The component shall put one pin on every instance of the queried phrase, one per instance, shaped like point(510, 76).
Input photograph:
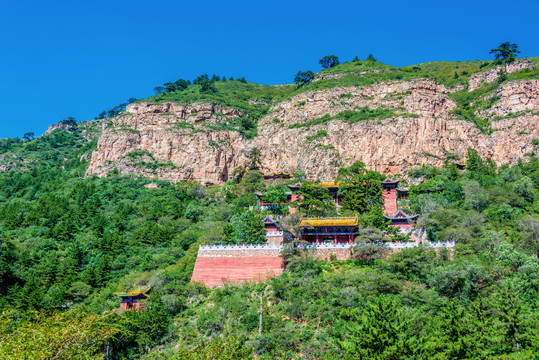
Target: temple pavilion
point(277, 175)
point(275, 233)
point(333, 188)
point(337, 230)
point(402, 220)
point(131, 298)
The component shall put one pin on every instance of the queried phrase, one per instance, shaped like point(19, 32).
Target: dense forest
point(68, 243)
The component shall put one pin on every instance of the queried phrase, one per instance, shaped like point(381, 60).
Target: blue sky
point(77, 58)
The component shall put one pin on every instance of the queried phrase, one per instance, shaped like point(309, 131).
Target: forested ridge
point(68, 243)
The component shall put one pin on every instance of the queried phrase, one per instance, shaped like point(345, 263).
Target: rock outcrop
point(482, 78)
point(516, 97)
point(187, 142)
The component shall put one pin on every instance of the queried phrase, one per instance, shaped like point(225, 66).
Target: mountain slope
point(390, 118)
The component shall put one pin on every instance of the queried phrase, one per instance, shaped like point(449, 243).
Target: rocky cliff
point(189, 142)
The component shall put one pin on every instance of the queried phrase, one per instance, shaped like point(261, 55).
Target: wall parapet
point(275, 233)
point(219, 247)
point(390, 245)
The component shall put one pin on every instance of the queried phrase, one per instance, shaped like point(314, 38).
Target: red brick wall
point(216, 271)
point(390, 200)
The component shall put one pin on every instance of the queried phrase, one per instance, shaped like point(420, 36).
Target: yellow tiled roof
point(330, 184)
point(135, 290)
point(330, 221)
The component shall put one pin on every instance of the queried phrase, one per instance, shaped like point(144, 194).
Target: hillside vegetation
point(68, 243)
point(254, 101)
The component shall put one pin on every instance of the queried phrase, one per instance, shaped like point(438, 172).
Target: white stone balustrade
point(275, 233)
point(327, 246)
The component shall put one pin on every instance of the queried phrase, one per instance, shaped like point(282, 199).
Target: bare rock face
point(179, 142)
point(515, 97)
point(174, 147)
point(480, 79)
point(59, 126)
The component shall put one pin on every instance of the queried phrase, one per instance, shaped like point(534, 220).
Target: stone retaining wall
point(217, 265)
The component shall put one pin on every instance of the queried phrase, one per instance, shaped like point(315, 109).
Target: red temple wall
point(390, 200)
point(216, 271)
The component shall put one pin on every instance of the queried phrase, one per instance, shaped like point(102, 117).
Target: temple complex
point(337, 230)
point(131, 298)
point(329, 237)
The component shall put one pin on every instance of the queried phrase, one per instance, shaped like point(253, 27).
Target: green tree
point(474, 162)
point(505, 51)
point(329, 61)
point(207, 86)
point(303, 78)
point(275, 196)
point(64, 335)
point(231, 348)
point(28, 136)
point(314, 200)
point(381, 330)
point(254, 159)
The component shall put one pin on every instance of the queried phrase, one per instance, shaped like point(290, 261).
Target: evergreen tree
point(254, 159)
point(329, 61)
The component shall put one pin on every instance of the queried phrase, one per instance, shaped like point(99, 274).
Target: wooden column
point(335, 238)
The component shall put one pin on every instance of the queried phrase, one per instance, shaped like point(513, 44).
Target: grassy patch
point(319, 134)
point(353, 116)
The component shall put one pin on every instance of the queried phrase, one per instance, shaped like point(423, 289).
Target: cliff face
point(180, 142)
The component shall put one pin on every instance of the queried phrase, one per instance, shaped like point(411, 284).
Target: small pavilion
point(131, 298)
point(333, 188)
point(401, 219)
point(275, 233)
point(277, 175)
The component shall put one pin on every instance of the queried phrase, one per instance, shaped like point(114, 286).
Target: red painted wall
point(215, 271)
point(390, 200)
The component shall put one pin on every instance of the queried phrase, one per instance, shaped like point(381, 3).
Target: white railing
point(448, 244)
point(240, 247)
point(326, 246)
point(275, 233)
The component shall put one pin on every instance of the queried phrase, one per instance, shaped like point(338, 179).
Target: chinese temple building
point(337, 230)
point(294, 187)
point(333, 188)
point(389, 194)
point(402, 193)
point(277, 175)
point(461, 166)
point(275, 234)
point(402, 220)
point(131, 298)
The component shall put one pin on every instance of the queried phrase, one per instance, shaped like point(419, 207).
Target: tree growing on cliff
point(329, 61)
point(254, 159)
point(505, 51)
point(303, 78)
